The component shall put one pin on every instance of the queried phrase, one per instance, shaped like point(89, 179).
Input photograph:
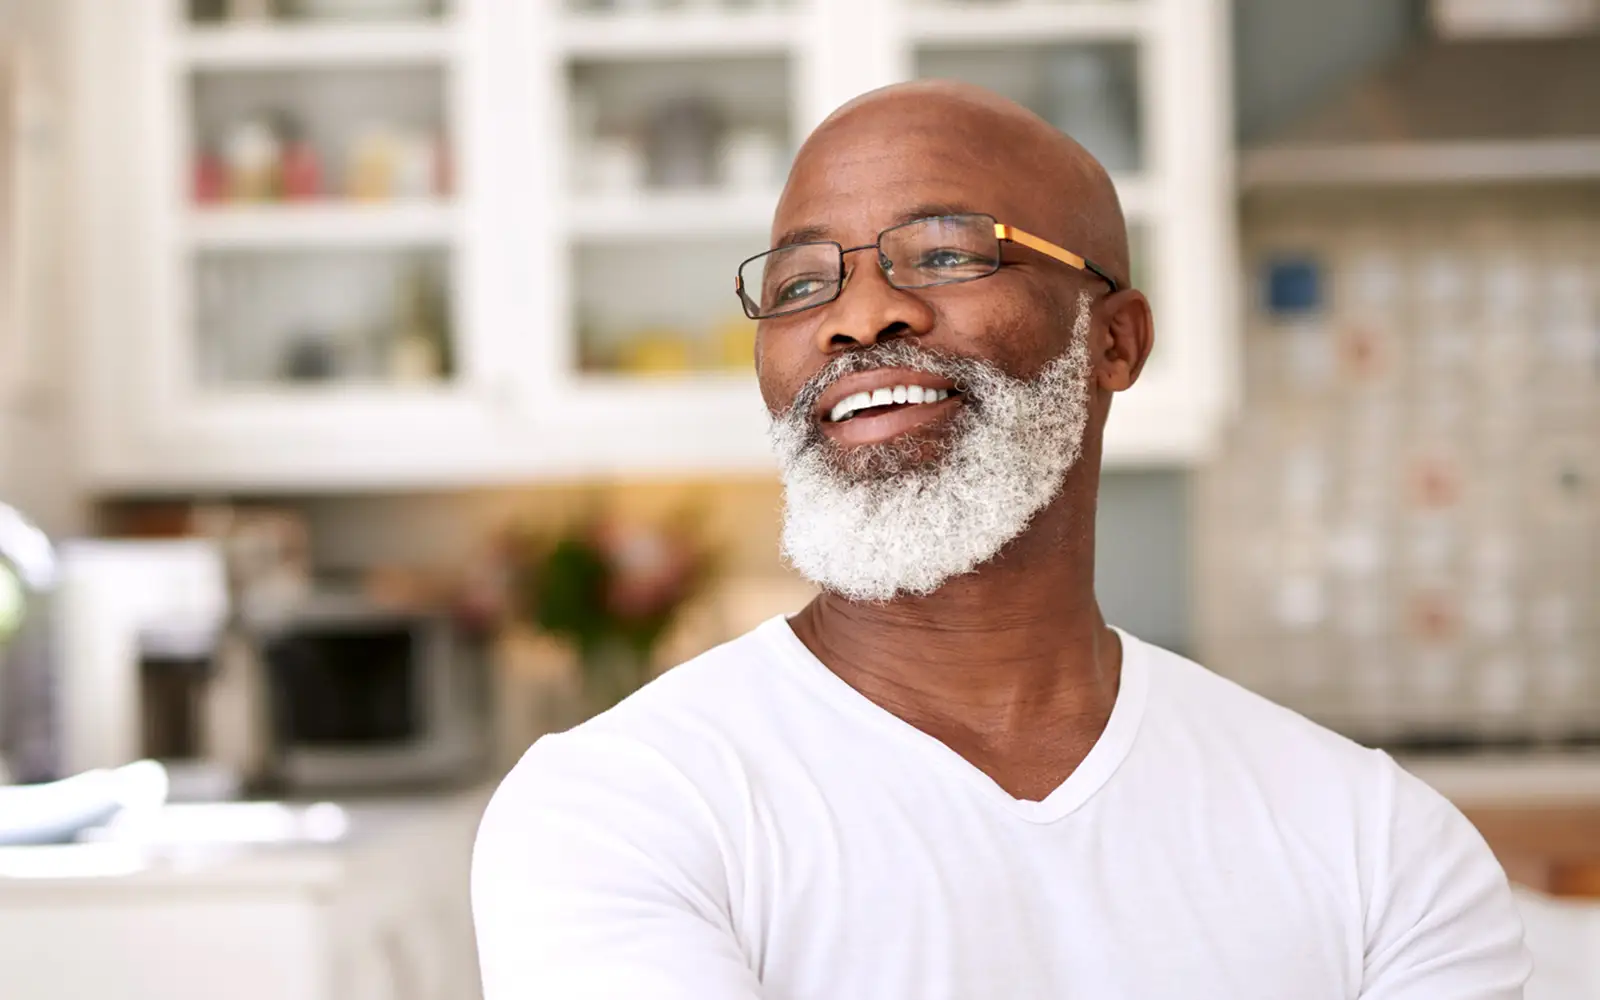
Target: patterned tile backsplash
point(1402, 538)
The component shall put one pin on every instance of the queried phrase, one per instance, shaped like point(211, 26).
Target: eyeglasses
point(940, 250)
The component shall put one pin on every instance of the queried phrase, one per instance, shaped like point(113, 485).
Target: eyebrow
point(805, 234)
point(821, 233)
point(931, 210)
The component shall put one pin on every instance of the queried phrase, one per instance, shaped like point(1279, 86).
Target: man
point(946, 778)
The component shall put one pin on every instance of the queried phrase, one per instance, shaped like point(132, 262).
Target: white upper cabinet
point(472, 241)
point(285, 226)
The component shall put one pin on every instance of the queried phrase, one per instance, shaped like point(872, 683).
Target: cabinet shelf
point(972, 25)
point(307, 45)
point(327, 225)
point(1470, 162)
point(679, 35)
point(654, 216)
point(739, 386)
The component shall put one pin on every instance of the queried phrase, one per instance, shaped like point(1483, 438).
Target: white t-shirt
point(750, 826)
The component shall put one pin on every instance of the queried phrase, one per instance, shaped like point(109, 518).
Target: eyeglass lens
point(935, 251)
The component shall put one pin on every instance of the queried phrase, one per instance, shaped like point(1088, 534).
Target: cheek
point(778, 369)
point(1011, 326)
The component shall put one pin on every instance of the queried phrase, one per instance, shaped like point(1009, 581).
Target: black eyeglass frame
point(1003, 234)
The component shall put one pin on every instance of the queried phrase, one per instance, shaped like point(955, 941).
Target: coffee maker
point(151, 667)
point(29, 721)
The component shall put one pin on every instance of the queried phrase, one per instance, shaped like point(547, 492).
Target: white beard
point(867, 527)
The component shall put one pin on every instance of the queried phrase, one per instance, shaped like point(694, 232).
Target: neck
point(1012, 666)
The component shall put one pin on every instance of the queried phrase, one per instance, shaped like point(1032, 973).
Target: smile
point(871, 407)
point(866, 402)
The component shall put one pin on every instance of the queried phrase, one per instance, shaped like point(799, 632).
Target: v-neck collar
point(1107, 754)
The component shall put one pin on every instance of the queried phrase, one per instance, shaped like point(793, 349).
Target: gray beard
point(881, 521)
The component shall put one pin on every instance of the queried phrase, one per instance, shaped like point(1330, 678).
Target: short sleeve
point(599, 873)
point(1442, 923)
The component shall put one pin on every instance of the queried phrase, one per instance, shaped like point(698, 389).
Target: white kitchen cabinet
point(269, 344)
point(593, 328)
point(384, 916)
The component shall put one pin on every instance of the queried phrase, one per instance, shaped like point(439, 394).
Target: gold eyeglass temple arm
point(1032, 242)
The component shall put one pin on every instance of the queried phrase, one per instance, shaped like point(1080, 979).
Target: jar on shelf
point(252, 154)
point(300, 168)
point(682, 138)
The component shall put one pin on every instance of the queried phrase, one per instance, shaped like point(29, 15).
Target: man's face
point(898, 499)
point(872, 177)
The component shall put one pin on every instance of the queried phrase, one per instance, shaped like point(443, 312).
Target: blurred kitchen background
point(373, 398)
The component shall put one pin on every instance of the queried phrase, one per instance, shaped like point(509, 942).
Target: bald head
point(978, 139)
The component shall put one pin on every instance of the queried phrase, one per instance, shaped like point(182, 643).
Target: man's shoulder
point(727, 682)
point(705, 701)
point(669, 745)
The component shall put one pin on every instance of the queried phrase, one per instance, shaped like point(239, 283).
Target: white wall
point(37, 470)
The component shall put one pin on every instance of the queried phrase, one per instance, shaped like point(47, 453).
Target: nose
point(869, 309)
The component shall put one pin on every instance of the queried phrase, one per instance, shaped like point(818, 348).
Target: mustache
point(965, 373)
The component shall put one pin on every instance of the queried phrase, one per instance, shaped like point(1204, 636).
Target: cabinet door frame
point(148, 422)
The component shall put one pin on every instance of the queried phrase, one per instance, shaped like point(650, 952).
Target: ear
point(1129, 337)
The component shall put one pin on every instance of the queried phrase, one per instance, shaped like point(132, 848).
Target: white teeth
point(885, 396)
point(849, 405)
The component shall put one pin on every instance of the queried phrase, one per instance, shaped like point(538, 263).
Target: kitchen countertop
point(1504, 779)
point(145, 858)
point(1554, 849)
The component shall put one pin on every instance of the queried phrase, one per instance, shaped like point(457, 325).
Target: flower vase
point(611, 670)
point(538, 690)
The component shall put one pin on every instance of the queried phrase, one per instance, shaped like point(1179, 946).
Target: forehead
point(853, 182)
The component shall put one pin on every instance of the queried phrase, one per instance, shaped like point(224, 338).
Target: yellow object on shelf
point(370, 173)
point(655, 352)
point(733, 344)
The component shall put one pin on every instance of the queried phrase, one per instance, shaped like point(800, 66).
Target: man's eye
point(949, 257)
point(802, 287)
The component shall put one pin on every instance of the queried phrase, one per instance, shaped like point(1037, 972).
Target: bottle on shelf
point(253, 155)
point(210, 180)
point(420, 344)
point(310, 356)
point(300, 168)
point(388, 163)
point(372, 164)
point(683, 136)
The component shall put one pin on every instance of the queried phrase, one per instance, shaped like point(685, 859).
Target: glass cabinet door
point(320, 236)
point(673, 170)
point(1088, 90)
